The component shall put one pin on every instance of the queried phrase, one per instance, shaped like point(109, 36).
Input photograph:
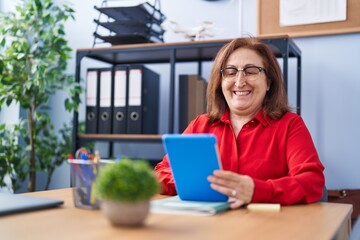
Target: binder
point(120, 99)
point(143, 100)
point(192, 98)
point(92, 83)
point(105, 101)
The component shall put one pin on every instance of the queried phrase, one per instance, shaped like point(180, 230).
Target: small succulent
point(126, 181)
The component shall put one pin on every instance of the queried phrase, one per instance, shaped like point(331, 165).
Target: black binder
point(143, 100)
point(192, 98)
point(120, 100)
point(105, 100)
point(92, 101)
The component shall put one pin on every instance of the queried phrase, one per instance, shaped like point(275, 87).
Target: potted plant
point(33, 61)
point(124, 189)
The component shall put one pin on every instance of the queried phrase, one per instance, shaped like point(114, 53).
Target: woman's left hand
point(236, 186)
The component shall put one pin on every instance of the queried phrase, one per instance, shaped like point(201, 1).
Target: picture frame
point(269, 22)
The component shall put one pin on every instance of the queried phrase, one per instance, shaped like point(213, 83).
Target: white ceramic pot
point(126, 214)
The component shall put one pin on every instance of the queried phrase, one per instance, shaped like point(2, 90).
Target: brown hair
point(275, 104)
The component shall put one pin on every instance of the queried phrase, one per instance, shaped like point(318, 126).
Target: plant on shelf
point(33, 62)
point(124, 189)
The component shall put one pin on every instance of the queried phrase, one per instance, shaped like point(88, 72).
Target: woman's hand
point(236, 186)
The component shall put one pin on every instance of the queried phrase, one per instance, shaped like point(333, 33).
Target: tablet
point(16, 203)
point(192, 158)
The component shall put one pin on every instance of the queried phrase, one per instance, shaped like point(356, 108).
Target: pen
point(76, 167)
point(96, 160)
point(89, 176)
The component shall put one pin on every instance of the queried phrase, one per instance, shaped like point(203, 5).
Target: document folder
point(105, 111)
point(120, 99)
point(143, 100)
point(192, 98)
point(92, 83)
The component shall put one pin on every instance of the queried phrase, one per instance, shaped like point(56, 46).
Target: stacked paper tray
point(144, 12)
point(131, 24)
point(128, 39)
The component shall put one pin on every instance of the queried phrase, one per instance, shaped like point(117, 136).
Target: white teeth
point(241, 93)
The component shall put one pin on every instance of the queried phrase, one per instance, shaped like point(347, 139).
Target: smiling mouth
point(241, 93)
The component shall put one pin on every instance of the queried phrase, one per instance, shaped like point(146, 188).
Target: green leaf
point(20, 55)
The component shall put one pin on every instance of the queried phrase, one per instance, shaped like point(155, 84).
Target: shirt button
point(247, 125)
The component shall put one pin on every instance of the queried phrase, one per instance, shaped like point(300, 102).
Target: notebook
point(174, 205)
point(16, 203)
point(192, 158)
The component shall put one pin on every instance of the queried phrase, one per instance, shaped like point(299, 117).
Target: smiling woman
point(266, 151)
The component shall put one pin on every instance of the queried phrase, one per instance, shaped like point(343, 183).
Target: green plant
point(126, 181)
point(33, 61)
point(12, 161)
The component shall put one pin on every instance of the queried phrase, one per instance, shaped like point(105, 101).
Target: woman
point(267, 152)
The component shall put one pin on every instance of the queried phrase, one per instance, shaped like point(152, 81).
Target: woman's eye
point(231, 72)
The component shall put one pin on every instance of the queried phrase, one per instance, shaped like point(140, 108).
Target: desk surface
point(313, 221)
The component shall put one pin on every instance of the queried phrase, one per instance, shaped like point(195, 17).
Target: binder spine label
point(135, 87)
point(120, 88)
point(105, 90)
point(91, 88)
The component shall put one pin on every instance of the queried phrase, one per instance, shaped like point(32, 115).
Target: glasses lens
point(229, 72)
point(251, 73)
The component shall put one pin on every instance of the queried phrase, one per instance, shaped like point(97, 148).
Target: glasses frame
point(241, 69)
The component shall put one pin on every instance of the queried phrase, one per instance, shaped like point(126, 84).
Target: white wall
point(331, 90)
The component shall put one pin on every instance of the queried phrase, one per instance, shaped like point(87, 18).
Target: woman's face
point(244, 96)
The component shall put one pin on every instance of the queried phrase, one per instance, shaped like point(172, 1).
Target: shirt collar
point(260, 117)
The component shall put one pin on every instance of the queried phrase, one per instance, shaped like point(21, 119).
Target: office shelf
point(172, 53)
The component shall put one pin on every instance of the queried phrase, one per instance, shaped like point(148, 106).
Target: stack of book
point(131, 24)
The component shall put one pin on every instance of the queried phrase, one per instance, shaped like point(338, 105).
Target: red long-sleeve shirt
point(279, 155)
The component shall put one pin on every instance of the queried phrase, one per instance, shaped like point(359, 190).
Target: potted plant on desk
point(124, 189)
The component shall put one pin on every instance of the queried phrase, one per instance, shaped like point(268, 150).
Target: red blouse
point(279, 155)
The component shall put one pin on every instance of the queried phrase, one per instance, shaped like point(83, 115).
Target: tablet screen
point(192, 158)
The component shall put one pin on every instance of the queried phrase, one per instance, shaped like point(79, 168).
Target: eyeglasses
point(250, 73)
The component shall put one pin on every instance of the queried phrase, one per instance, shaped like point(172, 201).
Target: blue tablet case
point(192, 158)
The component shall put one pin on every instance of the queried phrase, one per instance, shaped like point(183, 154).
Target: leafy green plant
point(126, 181)
point(33, 61)
point(12, 161)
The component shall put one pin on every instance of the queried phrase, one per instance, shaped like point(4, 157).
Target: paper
point(300, 12)
point(274, 207)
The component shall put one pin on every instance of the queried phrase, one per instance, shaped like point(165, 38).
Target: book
point(174, 205)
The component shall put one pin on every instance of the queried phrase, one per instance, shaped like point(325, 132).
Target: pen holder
point(83, 175)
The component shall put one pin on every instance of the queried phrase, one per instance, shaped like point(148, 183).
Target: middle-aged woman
point(266, 150)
